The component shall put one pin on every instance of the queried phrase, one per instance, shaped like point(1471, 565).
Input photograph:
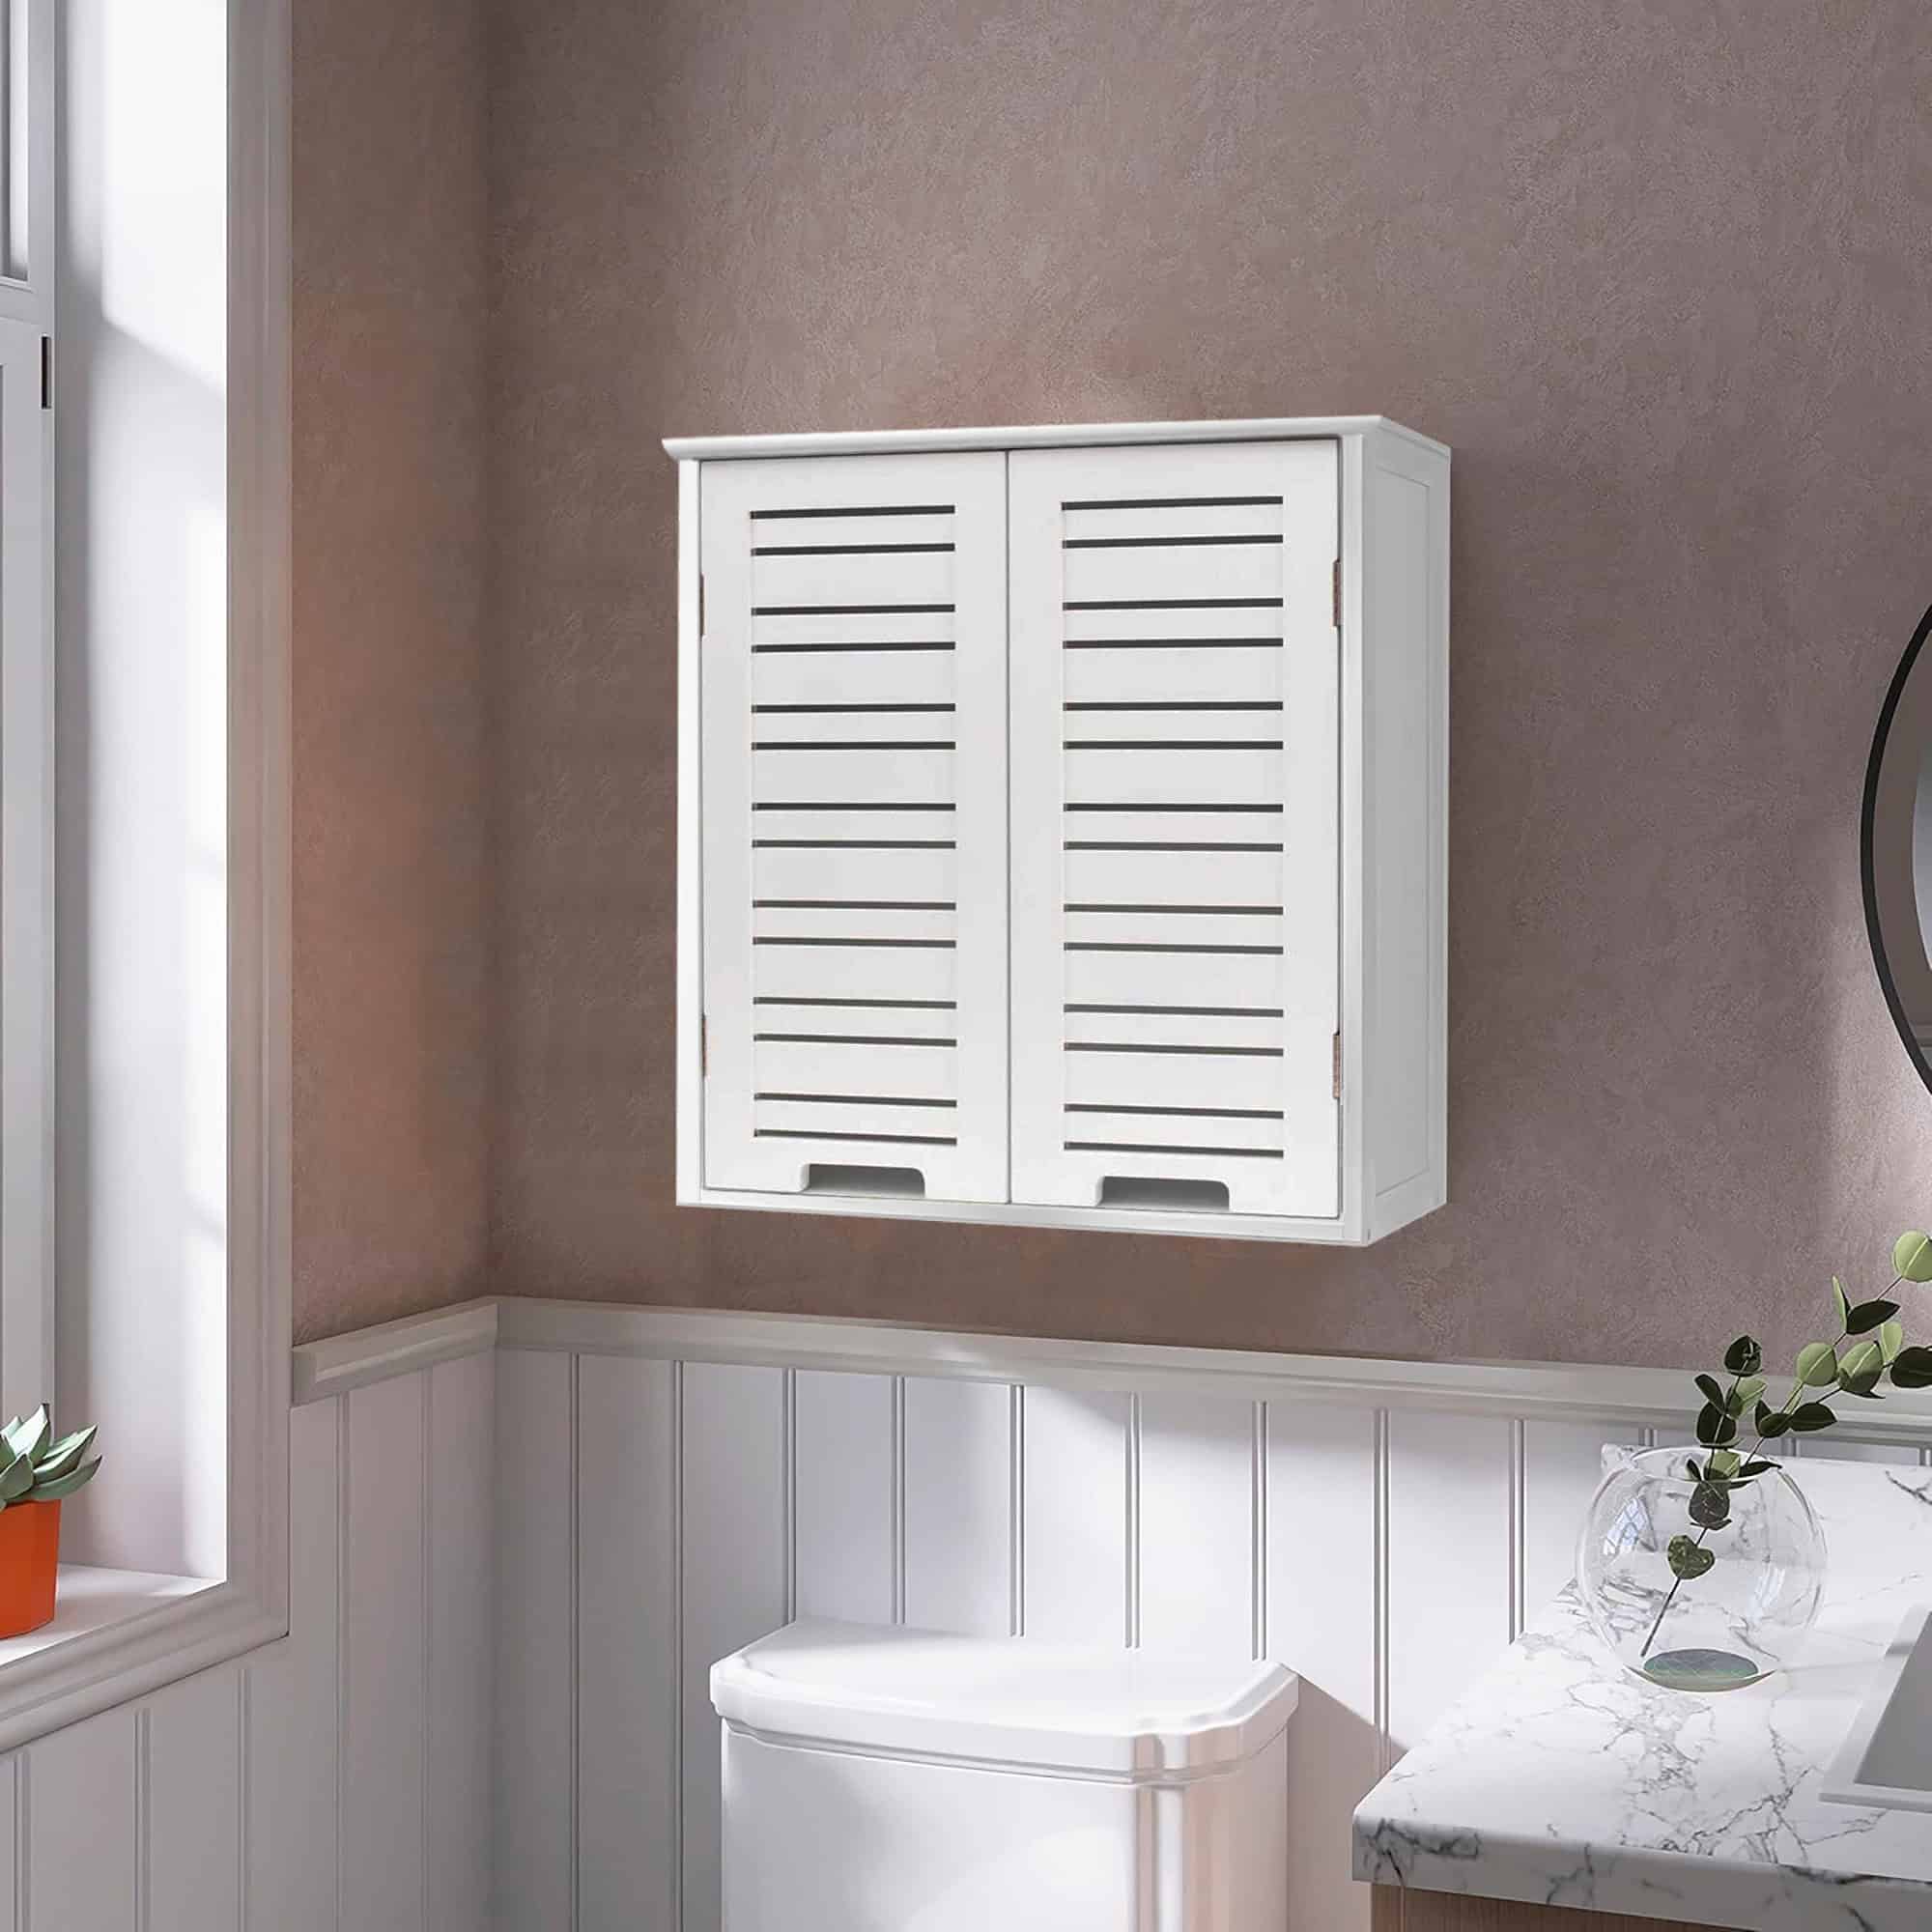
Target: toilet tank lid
point(1006, 1702)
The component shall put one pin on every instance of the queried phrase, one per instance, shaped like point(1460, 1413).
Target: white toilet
point(901, 1781)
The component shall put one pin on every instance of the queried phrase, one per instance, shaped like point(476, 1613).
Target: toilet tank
point(902, 1780)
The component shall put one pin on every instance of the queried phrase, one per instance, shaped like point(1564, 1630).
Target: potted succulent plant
point(37, 1474)
point(1702, 1569)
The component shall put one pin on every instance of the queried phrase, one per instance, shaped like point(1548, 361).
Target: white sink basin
point(1885, 1763)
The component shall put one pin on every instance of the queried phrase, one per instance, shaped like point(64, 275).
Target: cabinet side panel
point(690, 869)
point(1406, 782)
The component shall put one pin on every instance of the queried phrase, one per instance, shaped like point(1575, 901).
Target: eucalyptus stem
point(1799, 1386)
point(1677, 1582)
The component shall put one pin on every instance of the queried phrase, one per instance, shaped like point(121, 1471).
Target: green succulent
point(35, 1469)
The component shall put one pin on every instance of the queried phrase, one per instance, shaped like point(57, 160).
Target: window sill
point(91, 1600)
point(117, 1634)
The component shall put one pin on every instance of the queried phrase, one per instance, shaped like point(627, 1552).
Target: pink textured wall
point(391, 1037)
point(1660, 274)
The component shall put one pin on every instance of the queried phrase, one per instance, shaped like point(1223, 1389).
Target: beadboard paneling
point(1450, 1561)
point(1199, 1508)
point(844, 1493)
point(1561, 1465)
point(1322, 1534)
point(1075, 1514)
point(733, 1559)
point(627, 1689)
point(958, 1505)
point(459, 1528)
point(1376, 1527)
point(87, 1828)
point(292, 1696)
point(536, 1669)
point(563, 1538)
point(384, 1660)
point(192, 1772)
point(337, 1780)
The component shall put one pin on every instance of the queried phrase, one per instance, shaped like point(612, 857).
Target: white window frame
point(27, 346)
point(178, 1625)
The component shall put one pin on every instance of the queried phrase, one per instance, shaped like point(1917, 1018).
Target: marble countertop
point(1561, 1779)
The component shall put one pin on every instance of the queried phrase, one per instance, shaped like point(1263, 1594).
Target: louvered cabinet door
point(853, 663)
point(1176, 870)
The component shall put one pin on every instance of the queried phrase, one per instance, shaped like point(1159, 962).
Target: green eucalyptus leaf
point(1841, 1302)
point(1769, 1421)
point(1817, 1365)
point(1912, 1369)
point(1870, 1315)
point(1744, 1357)
point(1751, 1388)
point(1713, 1427)
point(1810, 1416)
point(1710, 1507)
point(1687, 1559)
point(1892, 1339)
point(1857, 1358)
point(1692, 1469)
point(1912, 1256)
point(1755, 1468)
point(1709, 1388)
point(1723, 1462)
point(66, 1486)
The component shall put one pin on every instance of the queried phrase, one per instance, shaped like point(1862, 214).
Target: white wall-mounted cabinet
point(1063, 823)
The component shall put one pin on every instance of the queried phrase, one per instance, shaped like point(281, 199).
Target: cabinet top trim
point(1056, 435)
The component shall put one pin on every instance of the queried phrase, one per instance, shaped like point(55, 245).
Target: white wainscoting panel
point(627, 1687)
point(1561, 1464)
point(1450, 1561)
point(1379, 1528)
point(734, 1566)
point(1201, 1510)
point(960, 1528)
point(86, 1837)
point(1077, 1510)
point(1324, 1530)
point(338, 1780)
point(460, 1524)
point(537, 1666)
point(512, 1571)
point(384, 1660)
point(12, 1868)
point(293, 1691)
point(191, 1743)
point(845, 1473)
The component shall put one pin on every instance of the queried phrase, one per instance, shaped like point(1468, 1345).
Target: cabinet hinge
point(1338, 1065)
point(703, 1043)
point(1335, 580)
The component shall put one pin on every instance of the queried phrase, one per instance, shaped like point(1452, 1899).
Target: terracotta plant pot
point(29, 1559)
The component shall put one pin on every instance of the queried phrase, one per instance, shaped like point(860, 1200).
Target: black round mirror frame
point(1867, 871)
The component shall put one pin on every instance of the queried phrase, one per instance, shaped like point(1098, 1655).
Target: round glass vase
point(1742, 1616)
